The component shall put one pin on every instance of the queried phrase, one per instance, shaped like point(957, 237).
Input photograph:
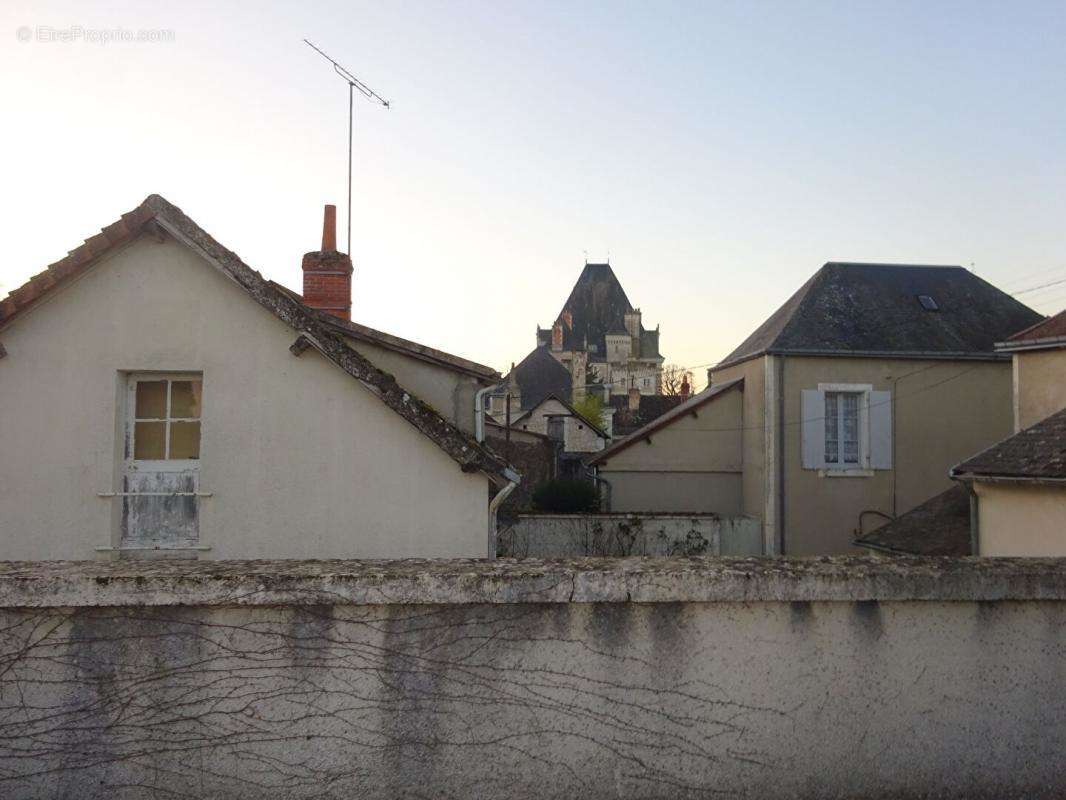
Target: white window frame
point(862, 468)
point(155, 464)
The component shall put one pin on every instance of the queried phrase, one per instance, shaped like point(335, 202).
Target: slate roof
point(694, 403)
point(1035, 454)
point(652, 406)
point(539, 375)
point(1050, 332)
point(873, 309)
point(938, 527)
point(159, 217)
point(597, 305)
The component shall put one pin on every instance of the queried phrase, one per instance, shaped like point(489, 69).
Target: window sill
point(845, 473)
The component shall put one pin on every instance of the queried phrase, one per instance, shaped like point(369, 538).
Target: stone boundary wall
point(594, 678)
point(628, 534)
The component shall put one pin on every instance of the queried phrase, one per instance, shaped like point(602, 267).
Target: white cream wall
point(1018, 520)
point(302, 460)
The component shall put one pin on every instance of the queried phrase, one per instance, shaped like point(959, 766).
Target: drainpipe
point(494, 507)
point(975, 522)
point(479, 413)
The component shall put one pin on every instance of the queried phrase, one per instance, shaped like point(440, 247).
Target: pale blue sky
point(721, 152)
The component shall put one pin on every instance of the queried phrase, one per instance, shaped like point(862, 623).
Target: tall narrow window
point(842, 428)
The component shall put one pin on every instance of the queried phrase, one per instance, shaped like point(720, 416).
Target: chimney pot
point(329, 229)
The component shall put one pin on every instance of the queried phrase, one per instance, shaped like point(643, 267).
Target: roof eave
point(932, 355)
point(991, 477)
point(415, 350)
point(1046, 343)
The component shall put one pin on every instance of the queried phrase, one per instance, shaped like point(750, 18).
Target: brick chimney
point(328, 273)
point(686, 390)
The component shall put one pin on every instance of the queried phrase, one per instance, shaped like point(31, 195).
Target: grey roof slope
point(539, 375)
point(873, 309)
point(159, 217)
point(1037, 453)
point(597, 305)
point(938, 527)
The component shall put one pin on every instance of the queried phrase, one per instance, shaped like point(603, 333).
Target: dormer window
point(928, 303)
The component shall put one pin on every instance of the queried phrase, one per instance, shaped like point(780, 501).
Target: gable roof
point(539, 375)
point(874, 310)
point(938, 527)
point(159, 217)
point(598, 429)
point(694, 403)
point(597, 305)
point(1047, 333)
point(1035, 454)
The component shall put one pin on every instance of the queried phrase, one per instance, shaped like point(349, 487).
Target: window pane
point(148, 439)
point(151, 399)
point(832, 449)
point(184, 439)
point(851, 427)
point(185, 399)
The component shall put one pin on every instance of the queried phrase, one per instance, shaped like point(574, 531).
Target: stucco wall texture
point(733, 678)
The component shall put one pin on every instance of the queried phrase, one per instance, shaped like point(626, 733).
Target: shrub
point(566, 496)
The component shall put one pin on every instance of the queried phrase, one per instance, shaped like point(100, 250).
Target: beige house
point(161, 398)
point(1018, 486)
point(857, 397)
point(688, 460)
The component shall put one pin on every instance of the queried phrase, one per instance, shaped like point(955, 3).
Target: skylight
point(928, 303)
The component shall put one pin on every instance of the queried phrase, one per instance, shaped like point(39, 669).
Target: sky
point(716, 153)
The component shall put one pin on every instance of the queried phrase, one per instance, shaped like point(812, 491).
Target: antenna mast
point(369, 94)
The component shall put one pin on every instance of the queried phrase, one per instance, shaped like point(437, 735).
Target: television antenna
point(353, 84)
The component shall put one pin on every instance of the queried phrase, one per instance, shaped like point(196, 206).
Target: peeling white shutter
point(881, 430)
point(812, 412)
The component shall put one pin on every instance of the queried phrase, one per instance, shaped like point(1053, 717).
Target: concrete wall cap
point(68, 584)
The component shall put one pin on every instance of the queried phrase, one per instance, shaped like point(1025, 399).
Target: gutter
point(934, 355)
point(970, 477)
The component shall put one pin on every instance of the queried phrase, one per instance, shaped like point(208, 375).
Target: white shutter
point(812, 414)
point(881, 430)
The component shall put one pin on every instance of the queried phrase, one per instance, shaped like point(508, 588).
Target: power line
point(1041, 286)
